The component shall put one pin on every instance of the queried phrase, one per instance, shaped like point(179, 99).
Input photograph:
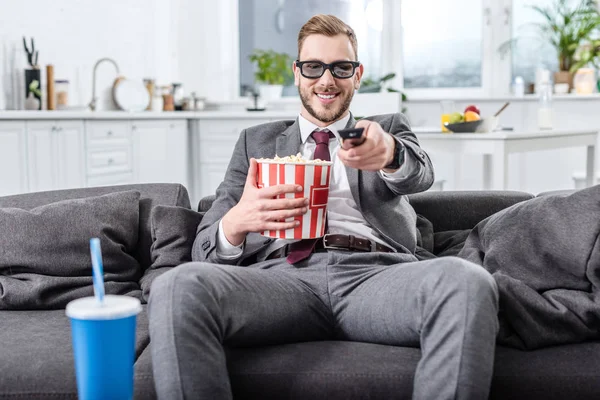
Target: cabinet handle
point(53, 129)
point(111, 161)
point(172, 126)
point(109, 133)
point(134, 127)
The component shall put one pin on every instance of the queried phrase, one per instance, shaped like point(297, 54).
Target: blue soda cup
point(104, 346)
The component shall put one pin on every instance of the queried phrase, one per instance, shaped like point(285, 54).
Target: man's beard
point(330, 114)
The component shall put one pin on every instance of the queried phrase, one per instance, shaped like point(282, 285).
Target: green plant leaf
point(566, 28)
point(272, 68)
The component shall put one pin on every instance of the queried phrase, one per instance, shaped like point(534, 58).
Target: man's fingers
point(252, 173)
point(284, 214)
point(280, 226)
point(366, 124)
point(277, 190)
point(284, 204)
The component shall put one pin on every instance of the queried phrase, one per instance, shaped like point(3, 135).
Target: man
point(246, 289)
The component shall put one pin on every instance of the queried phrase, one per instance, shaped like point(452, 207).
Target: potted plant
point(567, 28)
point(273, 70)
point(380, 85)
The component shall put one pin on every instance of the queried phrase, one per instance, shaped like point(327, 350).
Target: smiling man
point(361, 282)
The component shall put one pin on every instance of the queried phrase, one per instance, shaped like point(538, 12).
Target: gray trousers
point(447, 306)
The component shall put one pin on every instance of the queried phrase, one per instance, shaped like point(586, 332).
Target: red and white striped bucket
point(314, 179)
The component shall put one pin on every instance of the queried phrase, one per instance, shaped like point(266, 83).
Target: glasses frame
point(330, 67)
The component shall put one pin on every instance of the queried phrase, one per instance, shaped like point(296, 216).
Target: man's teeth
point(326, 96)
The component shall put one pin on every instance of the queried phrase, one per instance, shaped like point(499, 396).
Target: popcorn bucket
point(314, 178)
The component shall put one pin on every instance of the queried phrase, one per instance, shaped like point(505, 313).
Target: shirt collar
point(307, 127)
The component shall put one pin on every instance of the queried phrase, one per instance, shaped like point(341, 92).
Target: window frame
point(496, 67)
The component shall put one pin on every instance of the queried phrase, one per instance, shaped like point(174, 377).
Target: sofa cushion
point(173, 232)
point(545, 257)
point(36, 355)
point(449, 243)
point(45, 256)
point(151, 194)
point(349, 370)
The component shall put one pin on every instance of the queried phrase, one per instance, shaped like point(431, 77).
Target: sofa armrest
point(450, 210)
point(459, 210)
point(205, 203)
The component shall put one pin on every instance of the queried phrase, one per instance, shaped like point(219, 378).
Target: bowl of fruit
point(470, 121)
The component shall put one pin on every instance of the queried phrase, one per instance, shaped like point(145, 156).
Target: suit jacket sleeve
point(421, 177)
point(228, 195)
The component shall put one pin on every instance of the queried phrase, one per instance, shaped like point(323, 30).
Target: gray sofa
point(36, 360)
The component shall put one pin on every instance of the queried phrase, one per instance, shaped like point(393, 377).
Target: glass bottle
point(545, 106)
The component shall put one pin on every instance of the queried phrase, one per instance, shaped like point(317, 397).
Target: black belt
point(337, 242)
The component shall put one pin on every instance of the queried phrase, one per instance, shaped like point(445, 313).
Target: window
point(442, 43)
point(438, 49)
point(274, 24)
point(529, 50)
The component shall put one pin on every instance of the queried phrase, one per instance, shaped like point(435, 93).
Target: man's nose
point(327, 78)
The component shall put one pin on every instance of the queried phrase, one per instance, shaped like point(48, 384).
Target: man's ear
point(296, 73)
point(357, 76)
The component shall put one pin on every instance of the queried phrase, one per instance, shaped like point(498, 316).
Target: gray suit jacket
point(383, 204)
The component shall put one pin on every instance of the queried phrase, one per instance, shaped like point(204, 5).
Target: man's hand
point(374, 153)
point(260, 209)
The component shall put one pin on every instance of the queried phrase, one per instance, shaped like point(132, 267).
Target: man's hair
point(328, 25)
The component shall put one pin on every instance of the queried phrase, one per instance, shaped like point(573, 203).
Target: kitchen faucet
point(92, 104)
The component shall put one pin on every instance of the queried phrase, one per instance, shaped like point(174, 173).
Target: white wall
point(208, 47)
point(140, 35)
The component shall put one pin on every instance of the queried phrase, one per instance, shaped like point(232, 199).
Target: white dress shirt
point(343, 216)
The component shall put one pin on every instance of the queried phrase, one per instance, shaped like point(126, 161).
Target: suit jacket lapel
point(353, 173)
point(288, 143)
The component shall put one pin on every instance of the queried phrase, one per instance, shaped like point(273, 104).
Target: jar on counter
point(167, 96)
point(584, 81)
point(149, 83)
point(157, 99)
point(61, 88)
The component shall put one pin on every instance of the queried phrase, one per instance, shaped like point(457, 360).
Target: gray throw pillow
point(544, 254)
point(173, 232)
point(45, 254)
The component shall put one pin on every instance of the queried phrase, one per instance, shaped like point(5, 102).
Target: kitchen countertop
point(101, 115)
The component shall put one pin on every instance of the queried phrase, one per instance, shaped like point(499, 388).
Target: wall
point(73, 34)
point(208, 49)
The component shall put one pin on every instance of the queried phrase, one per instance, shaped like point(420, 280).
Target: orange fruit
point(471, 116)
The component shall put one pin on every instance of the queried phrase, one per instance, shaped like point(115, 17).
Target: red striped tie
point(301, 250)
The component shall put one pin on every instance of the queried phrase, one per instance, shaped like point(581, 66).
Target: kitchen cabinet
point(161, 151)
point(55, 151)
point(13, 158)
point(136, 151)
point(213, 141)
point(109, 152)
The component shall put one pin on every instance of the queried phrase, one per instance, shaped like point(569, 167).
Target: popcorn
point(293, 159)
point(314, 177)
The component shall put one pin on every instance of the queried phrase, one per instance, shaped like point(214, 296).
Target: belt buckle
point(325, 245)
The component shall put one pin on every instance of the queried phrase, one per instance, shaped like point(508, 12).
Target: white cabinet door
point(42, 149)
point(213, 141)
point(109, 152)
point(55, 153)
point(13, 158)
point(160, 151)
point(70, 157)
